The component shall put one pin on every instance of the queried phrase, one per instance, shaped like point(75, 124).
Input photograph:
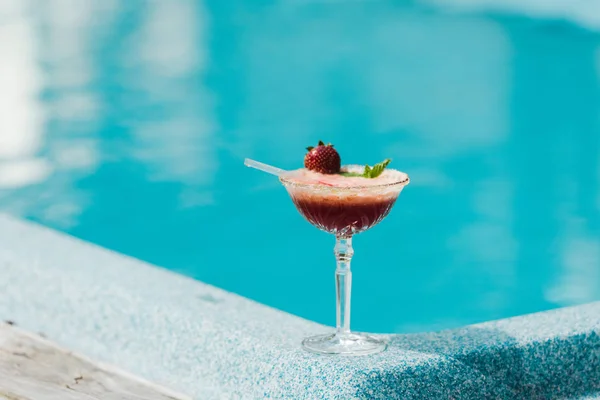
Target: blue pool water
point(126, 123)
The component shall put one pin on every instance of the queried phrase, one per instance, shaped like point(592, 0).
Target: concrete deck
point(212, 344)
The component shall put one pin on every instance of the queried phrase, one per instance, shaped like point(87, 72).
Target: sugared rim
point(405, 181)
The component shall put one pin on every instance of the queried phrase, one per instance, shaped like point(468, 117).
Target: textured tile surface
point(215, 345)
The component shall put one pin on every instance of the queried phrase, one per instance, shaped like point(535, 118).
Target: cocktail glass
point(344, 211)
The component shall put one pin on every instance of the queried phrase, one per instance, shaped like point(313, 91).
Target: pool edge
point(209, 343)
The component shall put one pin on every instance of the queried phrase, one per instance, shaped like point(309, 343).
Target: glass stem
point(343, 283)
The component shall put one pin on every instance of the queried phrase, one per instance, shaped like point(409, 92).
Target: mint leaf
point(367, 173)
point(377, 169)
point(351, 174)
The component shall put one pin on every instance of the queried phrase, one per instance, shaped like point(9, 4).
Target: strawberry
point(323, 158)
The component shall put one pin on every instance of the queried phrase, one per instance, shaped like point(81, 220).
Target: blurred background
point(125, 123)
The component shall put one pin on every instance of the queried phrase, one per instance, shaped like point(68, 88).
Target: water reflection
point(21, 124)
point(578, 281)
point(38, 164)
point(554, 151)
point(128, 122)
point(583, 13)
point(164, 64)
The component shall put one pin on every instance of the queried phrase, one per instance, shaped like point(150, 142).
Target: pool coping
point(211, 344)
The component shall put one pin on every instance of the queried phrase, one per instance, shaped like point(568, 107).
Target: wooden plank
point(33, 368)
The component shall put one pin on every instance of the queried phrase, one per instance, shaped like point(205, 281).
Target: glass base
point(349, 344)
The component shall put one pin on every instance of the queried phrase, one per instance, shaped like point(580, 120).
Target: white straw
point(264, 167)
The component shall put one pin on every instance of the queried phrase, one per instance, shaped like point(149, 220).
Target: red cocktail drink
point(343, 217)
point(343, 205)
point(342, 201)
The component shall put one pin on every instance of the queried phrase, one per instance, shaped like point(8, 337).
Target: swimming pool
point(126, 125)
